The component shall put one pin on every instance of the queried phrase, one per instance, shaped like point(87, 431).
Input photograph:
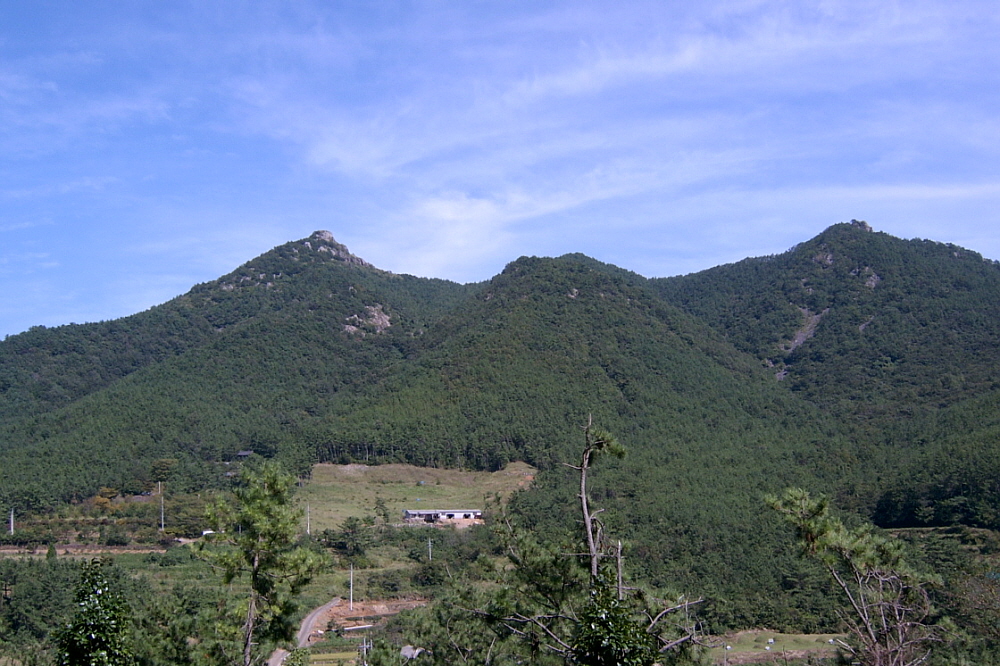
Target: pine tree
point(98, 635)
point(256, 535)
point(889, 610)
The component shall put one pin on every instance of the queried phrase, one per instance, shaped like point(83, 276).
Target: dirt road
point(340, 613)
point(315, 619)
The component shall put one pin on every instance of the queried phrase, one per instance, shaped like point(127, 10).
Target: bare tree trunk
point(251, 622)
point(588, 519)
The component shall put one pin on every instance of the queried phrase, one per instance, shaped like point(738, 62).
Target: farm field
point(336, 492)
point(748, 647)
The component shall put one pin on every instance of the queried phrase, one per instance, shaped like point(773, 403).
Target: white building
point(443, 516)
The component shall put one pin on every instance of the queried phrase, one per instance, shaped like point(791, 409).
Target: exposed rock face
point(323, 241)
point(824, 258)
point(871, 277)
point(374, 319)
point(808, 329)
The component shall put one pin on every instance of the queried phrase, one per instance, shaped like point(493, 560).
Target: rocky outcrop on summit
point(267, 270)
point(324, 242)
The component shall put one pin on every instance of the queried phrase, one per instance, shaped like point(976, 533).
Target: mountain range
point(855, 364)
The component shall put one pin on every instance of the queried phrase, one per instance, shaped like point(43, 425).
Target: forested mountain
point(859, 322)
point(855, 364)
point(269, 344)
point(898, 339)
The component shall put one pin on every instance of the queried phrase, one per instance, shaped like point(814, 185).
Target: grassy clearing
point(765, 646)
point(336, 492)
point(333, 658)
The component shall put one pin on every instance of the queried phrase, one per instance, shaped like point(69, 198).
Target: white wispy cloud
point(447, 138)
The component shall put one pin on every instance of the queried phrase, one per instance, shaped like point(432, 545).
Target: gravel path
point(306, 630)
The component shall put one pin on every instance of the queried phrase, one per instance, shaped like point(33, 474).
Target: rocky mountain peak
point(323, 236)
point(323, 241)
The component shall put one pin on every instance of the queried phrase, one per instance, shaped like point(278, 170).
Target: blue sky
point(149, 146)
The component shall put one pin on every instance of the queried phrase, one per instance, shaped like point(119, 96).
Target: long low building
point(443, 516)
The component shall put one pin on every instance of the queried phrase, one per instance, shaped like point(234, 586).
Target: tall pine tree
point(98, 634)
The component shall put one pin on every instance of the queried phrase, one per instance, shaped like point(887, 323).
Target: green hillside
point(313, 279)
point(896, 338)
point(859, 322)
point(287, 331)
point(709, 431)
point(855, 364)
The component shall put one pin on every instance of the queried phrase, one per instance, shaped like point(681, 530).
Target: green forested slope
point(44, 369)
point(900, 325)
point(316, 278)
point(546, 343)
point(309, 353)
point(886, 400)
point(904, 347)
point(515, 373)
point(949, 467)
point(286, 332)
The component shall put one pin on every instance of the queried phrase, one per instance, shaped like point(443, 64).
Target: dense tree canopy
point(855, 364)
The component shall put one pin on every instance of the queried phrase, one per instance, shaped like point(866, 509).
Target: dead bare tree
point(596, 441)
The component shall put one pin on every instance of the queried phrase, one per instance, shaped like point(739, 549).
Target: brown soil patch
point(342, 617)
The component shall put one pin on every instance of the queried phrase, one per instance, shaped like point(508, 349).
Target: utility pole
point(308, 531)
point(159, 490)
point(363, 649)
point(12, 521)
point(430, 550)
point(351, 603)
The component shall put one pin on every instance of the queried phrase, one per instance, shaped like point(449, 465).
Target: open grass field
point(336, 492)
point(762, 647)
point(749, 647)
point(333, 658)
